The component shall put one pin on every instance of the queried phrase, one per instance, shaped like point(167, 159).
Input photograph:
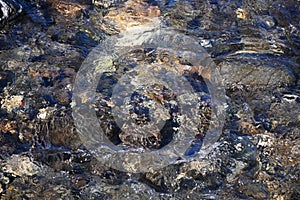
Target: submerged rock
point(255, 71)
point(255, 45)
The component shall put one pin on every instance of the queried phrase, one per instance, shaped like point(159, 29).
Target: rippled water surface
point(241, 93)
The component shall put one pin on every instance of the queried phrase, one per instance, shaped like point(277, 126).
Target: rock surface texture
point(255, 47)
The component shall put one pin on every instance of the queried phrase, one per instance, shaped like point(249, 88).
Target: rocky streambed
point(254, 46)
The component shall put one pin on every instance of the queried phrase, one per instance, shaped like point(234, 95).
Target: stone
point(107, 3)
point(134, 13)
point(20, 165)
point(255, 72)
point(12, 102)
point(257, 155)
point(9, 9)
point(6, 77)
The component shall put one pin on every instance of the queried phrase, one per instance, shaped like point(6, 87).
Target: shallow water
point(48, 152)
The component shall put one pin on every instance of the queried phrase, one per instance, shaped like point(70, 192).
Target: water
point(255, 49)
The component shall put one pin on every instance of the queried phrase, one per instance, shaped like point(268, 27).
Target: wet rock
point(8, 127)
point(6, 77)
point(163, 181)
point(139, 130)
point(79, 181)
point(282, 11)
point(11, 144)
point(134, 13)
point(19, 165)
point(44, 113)
point(58, 129)
point(9, 9)
point(148, 140)
point(56, 158)
point(254, 43)
point(12, 102)
point(267, 21)
point(278, 116)
point(55, 78)
point(139, 109)
point(95, 191)
point(46, 184)
point(256, 71)
point(133, 189)
point(68, 8)
point(107, 3)
point(254, 190)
